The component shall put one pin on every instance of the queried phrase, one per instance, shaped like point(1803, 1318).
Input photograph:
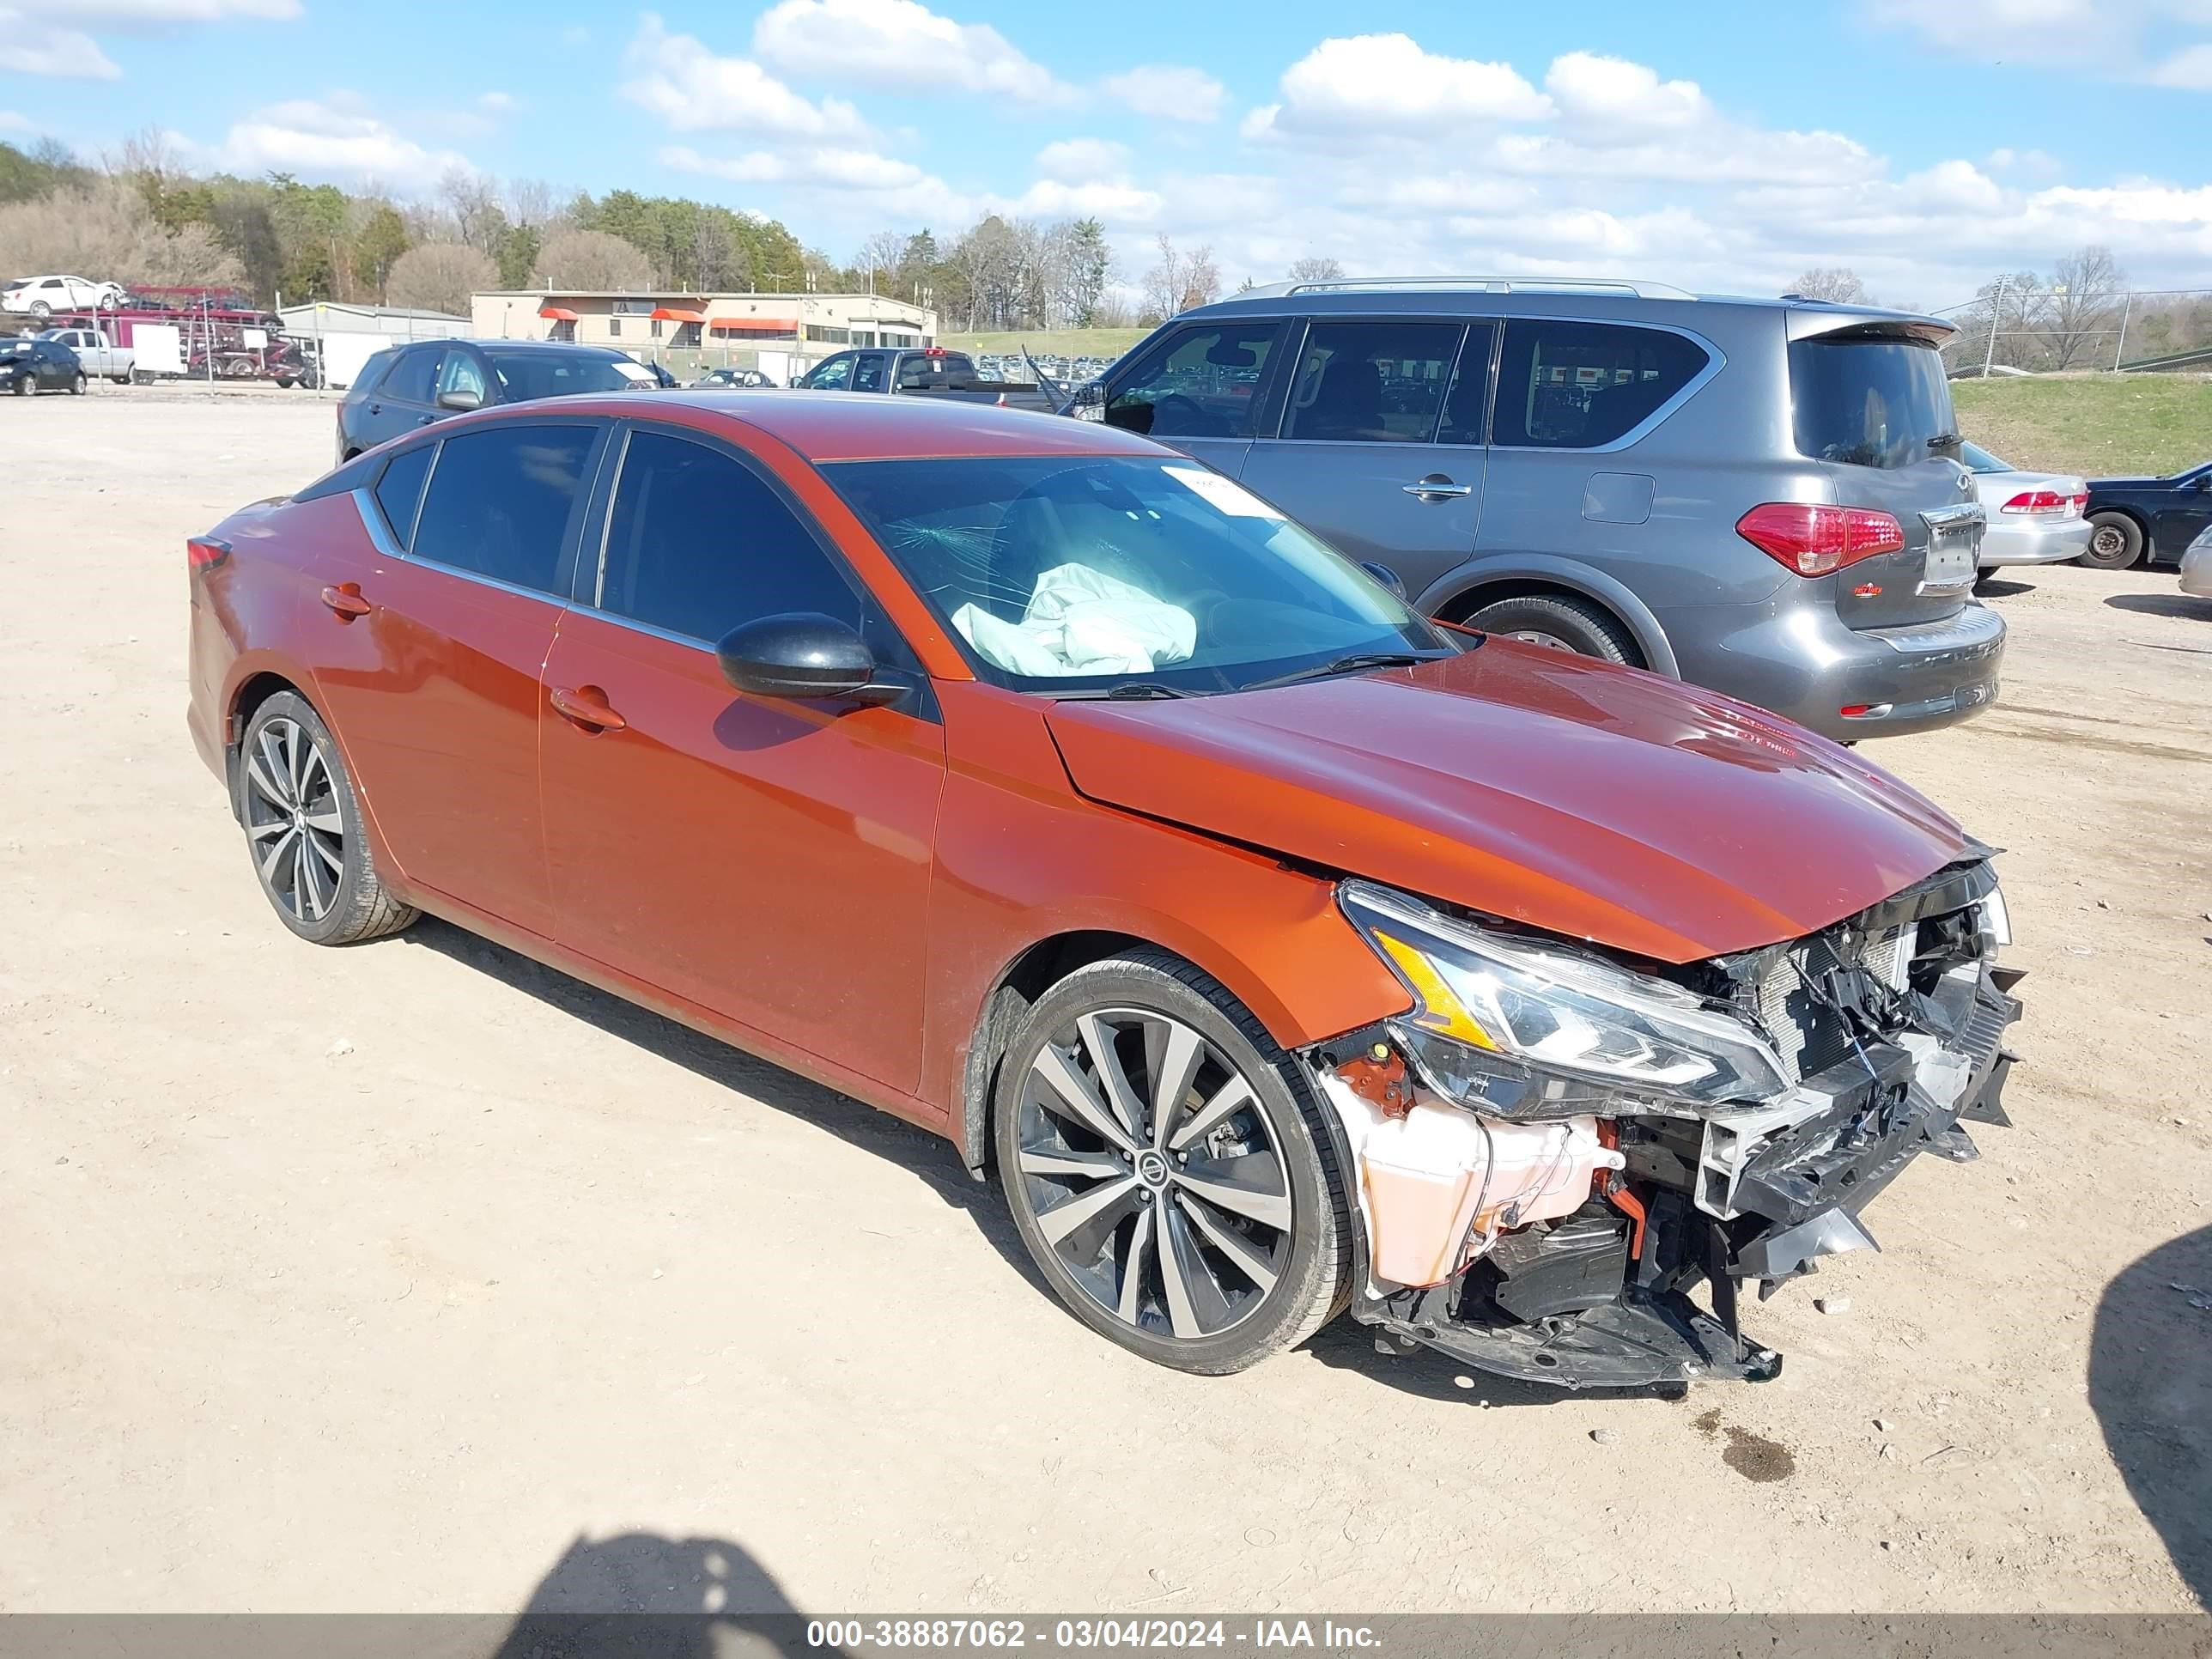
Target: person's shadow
point(639, 1595)
point(2150, 1384)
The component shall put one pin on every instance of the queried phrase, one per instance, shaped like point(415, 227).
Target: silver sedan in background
point(2034, 518)
point(2197, 566)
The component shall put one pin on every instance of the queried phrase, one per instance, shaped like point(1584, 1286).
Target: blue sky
point(1926, 143)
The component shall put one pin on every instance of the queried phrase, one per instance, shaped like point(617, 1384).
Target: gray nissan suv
point(1764, 496)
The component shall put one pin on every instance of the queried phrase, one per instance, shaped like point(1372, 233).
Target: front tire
point(303, 829)
point(1563, 624)
point(2115, 542)
point(1168, 1168)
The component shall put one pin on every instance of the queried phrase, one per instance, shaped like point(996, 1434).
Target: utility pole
point(1996, 310)
point(2127, 304)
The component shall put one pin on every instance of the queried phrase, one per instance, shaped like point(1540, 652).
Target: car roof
point(1595, 301)
point(853, 426)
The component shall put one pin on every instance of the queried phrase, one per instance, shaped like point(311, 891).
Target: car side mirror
point(801, 655)
point(460, 398)
point(1383, 572)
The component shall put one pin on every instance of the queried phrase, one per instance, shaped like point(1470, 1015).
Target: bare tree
point(1315, 267)
point(593, 259)
point(879, 257)
point(473, 200)
point(2083, 305)
point(1180, 280)
point(1835, 282)
point(108, 229)
point(440, 277)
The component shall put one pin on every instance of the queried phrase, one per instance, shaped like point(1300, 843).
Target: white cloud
point(2190, 69)
point(496, 103)
point(1614, 92)
point(1374, 84)
point(1168, 92)
point(695, 90)
point(178, 11)
point(12, 121)
point(834, 168)
point(333, 138)
point(31, 47)
point(1079, 160)
point(900, 45)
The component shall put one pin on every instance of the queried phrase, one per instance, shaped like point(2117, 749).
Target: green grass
point(1067, 342)
point(2100, 426)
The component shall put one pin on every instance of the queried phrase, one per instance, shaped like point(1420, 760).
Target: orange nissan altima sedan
point(1285, 954)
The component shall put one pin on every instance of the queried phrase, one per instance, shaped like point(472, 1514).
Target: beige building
point(781, 333)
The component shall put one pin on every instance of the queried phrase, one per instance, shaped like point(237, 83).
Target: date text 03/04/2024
point(1254, 1635)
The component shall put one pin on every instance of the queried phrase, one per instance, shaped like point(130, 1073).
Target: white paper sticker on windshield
point(1225, 493)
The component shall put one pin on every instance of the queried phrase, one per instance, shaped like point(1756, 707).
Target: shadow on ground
point(2001, 587)
point(2162, 604)
point(930, 1158)
point(2150, 1384)
point(640, 1595)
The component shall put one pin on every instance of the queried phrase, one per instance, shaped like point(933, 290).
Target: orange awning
point(557, 313)
point(754, 325)
point(675, 314)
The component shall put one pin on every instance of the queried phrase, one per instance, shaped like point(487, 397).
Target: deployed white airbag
point(1082, 621)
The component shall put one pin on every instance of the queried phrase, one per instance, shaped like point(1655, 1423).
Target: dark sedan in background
point(28, 366)
point(2132, 520)
point(410, 386)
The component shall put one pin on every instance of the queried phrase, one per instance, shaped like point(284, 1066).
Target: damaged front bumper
point(1603, 1296)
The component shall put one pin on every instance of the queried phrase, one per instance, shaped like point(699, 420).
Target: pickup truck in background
point(926, 371)
point(97, 350)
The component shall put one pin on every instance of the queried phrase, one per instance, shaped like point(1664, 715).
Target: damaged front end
point(1555, 1149)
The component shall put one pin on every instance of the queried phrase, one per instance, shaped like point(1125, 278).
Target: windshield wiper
point(1351, 664)
point(1128, 691)
point(1946, 440)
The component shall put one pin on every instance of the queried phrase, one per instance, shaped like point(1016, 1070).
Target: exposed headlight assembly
point(1520, 1028)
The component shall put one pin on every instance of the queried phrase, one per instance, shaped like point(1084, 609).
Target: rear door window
point(399, 491)
point(868, 376)
point(500, 501)
point(1201, 382)
point(1867, 400)
point(414, 377)
point(1373, 382)
point(1580, 385)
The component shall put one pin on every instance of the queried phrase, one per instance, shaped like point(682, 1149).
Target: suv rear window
point(1868, 400)
point(1578, 385)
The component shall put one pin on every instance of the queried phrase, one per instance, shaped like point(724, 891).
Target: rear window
point(499, 499)
point(400, 488)
point(1580, 385)
point(1866, 401)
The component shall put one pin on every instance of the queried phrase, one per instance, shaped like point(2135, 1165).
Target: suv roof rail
point(1640, 290)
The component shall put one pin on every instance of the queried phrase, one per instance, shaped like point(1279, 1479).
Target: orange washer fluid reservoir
point(1438, 1178)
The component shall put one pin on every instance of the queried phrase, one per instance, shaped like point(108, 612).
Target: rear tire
point(76, 386)
point(2115, 542)
point(1565, 624)
point(1129, 1229)
point(303, 829)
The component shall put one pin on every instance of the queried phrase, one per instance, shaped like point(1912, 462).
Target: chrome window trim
point(1296, 357)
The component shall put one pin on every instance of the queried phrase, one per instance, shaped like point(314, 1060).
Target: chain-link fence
point(2015, 327)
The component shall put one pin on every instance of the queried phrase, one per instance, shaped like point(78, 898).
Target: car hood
point(1591, 801)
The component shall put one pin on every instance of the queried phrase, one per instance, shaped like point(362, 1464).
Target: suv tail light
point(2042, 502)
point(1813, 541)
point(204, 553)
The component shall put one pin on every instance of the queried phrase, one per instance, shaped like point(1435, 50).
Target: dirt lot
point(391, 1278)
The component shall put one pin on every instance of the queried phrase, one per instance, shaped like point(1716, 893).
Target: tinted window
point(1867, 402)
point(830, 376)
point(1202, 383)
point(1575, 385)
point(1468, 400)
point(499, 502)
point(461, 373)
point(1372, 382)
point(869, 375)
point(375, 370)
point(526, 374)
point(414, 378)
point(400, 488)
point(697, 542)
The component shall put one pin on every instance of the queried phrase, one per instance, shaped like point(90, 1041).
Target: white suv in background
point(42, 296)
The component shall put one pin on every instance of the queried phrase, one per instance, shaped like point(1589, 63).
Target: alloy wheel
point(293, 822)
point(1154, 1173)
